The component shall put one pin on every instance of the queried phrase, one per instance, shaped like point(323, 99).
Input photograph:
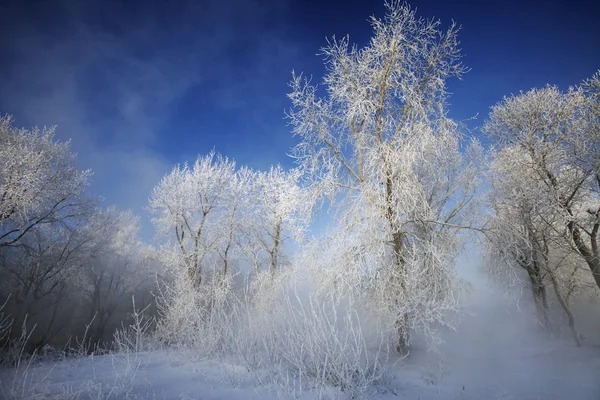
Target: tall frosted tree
point(377, 135)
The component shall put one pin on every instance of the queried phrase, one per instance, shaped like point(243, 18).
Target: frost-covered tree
point(585, 150)
point(39, 182)
point(281, 210)
point(61, 259)
point(36, 277)
point(235, 203)
point(521, 235)
point(189, 203)
point(553, 139)
point(378, 132)
point(545, 194)
point(218, 214)
point(60, 277)
point(43, 203)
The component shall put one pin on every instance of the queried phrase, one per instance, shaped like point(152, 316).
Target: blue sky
point(139, 86)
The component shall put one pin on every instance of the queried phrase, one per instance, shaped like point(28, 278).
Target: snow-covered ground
point(496, 353)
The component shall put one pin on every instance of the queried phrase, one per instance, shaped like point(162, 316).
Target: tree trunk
point(538, 290)
point(275, 249)
point(566, 309)
point(590, 255)
point(191, 274)
point(403, 330)
point(226, 261)
point(402, 321)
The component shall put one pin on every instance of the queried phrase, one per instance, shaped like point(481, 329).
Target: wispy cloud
point(112, 76)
